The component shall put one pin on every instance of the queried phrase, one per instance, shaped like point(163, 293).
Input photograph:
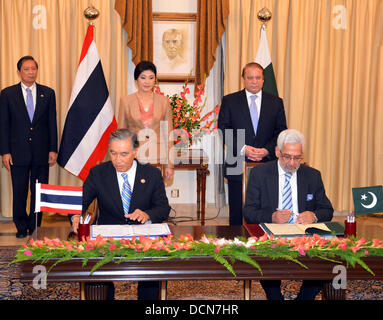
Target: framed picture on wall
point(174, 38)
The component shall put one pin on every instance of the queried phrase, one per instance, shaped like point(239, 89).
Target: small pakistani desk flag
point(368, 199)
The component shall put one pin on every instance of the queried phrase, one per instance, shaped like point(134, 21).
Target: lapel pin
point(143, 180)
point(41, 95)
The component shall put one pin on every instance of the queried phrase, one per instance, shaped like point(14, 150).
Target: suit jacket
point(28, 142)
point(129, 116)
point(148, 194)
point(262, 193)
point(234, 114)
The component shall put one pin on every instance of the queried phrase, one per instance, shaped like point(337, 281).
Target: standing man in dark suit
point(109, 181)
point(250, 121)
point(283, 191)
point(28, 140)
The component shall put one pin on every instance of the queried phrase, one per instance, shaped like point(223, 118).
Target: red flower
point(302, 252)
point(361, 242)
point(146, 243)
point(265, 237)
point(342, 246)
point(187, 237)
point(355, 249)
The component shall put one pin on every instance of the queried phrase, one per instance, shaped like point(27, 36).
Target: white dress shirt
point(131, 176)
point(34, 93)
point(294, 190)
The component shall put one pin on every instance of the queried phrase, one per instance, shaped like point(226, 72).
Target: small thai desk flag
point(368, 199)
point(58, 199)
point(90, 119)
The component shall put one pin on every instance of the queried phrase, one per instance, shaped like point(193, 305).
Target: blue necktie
point(287, 200)
point(254, 113)
point(30, 107)
point(126, 193)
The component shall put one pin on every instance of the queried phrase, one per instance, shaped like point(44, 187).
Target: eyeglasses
point(288, 157)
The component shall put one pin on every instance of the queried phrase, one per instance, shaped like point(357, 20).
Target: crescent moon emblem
point(373, 203)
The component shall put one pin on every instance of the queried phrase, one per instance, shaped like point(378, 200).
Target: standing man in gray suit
point(28, 139)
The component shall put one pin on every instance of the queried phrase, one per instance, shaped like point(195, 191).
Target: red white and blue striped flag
point(90, 119)
point(59, 199)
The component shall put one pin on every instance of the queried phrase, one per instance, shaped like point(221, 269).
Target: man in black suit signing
point(284, 191)
point(250, 121)
point(28, 140)
point(109, 181)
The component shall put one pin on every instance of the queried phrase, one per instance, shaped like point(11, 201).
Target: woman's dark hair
point(143, 66)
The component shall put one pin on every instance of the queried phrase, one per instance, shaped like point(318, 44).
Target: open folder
point(126, 231)
point(325, 229)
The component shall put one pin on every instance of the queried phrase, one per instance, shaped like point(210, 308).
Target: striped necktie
point(30, 106)
point(126, 193)
point(287, 200)
point(254, 113)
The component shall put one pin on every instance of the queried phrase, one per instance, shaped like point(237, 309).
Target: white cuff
point(243, 150)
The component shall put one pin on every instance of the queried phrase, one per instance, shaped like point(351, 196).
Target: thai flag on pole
point(59, 199)
point(90, 119)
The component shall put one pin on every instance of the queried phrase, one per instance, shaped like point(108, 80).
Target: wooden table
point(195, 159)
point(197, 268)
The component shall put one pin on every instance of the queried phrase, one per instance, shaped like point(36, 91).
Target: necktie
point(126, 193)
point(30, 107)
point(254, 113)
point(287, 200)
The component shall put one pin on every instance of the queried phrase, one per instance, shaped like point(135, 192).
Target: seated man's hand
point(281, 216)
point(306, 217)
point(138, 215)
point(75, 222)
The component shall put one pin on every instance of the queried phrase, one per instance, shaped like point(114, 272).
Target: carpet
point(12, 289)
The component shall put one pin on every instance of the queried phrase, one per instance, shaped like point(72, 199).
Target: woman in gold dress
point(149, 115)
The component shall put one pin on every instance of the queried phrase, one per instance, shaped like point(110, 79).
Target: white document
point(126, 231)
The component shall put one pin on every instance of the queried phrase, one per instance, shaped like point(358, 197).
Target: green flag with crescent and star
point(368, 199)
point(263, 57)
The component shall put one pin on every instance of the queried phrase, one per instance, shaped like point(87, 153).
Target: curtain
point(211, 23)
point(137, 20)
point(53, 31)
point(327, 57)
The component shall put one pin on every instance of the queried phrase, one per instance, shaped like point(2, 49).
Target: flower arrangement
point(226, 252)
point(188, 125)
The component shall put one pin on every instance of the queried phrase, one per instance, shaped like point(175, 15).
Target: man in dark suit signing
point(28, 140)
point(111, 181)
point(284, 191)
point(250, 121)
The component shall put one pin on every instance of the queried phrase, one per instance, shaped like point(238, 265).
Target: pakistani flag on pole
point(368, 199)
point(264, 59)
